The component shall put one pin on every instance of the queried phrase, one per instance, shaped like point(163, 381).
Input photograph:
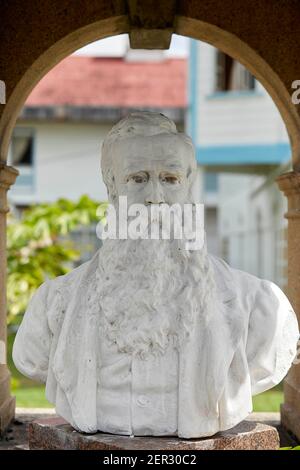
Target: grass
point(31, 397)
point(30, 394)
point(268, 401)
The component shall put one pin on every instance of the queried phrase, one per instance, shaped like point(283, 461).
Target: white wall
point(251, 218)
point(67, 162)
point(233, 118)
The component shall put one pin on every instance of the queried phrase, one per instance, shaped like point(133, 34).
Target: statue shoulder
point(243, 279)
point(249, 288)
point(79, 274)
point(233, 278)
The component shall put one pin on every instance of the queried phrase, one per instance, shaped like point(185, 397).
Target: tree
point(39, 249)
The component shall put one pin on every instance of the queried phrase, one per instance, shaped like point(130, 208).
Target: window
point(21, 156)
point(231, 75)
point(22, 147)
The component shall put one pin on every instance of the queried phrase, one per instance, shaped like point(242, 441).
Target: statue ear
point(111, 186)
point(193, 183)
point(191, 174)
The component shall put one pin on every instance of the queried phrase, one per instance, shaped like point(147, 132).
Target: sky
point(117, 46)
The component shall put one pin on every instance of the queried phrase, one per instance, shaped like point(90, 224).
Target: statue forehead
point(159, 146)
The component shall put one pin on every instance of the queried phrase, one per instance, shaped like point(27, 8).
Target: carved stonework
point(151, 14)
point(289, 184)
point(150, 38)
point(152, 23)
point(8, 176)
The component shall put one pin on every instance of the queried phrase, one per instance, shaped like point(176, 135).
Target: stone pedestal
point(290, 419)
point(55, 433)
point(7, 402)
point(289, 183)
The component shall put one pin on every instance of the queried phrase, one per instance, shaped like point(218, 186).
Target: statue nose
point(155, 194)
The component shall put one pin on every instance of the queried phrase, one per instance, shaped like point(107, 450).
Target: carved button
point(142, 400)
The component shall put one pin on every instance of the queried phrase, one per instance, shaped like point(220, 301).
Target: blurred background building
point(241, 145)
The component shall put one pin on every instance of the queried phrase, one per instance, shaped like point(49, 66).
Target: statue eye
point(170, 179)
point(140, 178)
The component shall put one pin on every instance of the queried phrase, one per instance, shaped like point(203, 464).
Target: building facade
point(241, 144)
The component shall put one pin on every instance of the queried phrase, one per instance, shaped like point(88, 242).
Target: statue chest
point(137, 396)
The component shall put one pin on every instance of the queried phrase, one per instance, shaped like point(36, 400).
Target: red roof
point(113, 82)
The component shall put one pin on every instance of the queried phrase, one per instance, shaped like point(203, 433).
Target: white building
point(241, 146)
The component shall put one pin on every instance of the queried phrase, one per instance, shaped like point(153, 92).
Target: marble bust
point(146, 338)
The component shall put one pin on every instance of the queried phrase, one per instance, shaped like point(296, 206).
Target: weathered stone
point(289, 184)
point(150, 38)
point(7, 412)
point(7, 402)
point(55, 433)
point(290, 419)
point(151, 14)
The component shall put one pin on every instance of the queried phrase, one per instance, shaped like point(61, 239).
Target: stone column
point(7, 402)
point(289, 183)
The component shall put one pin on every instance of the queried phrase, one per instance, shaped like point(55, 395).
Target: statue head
point(145, 158)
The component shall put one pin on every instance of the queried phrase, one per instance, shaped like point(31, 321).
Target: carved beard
point(151, 293)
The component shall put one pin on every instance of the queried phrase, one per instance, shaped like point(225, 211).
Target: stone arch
point(220, 32)
point(45, 62)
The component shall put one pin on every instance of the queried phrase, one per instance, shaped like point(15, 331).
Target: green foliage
point(290, 448)
point(39, 249)
point(31, 397)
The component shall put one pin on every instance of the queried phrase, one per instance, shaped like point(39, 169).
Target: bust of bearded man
point(148, 338)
